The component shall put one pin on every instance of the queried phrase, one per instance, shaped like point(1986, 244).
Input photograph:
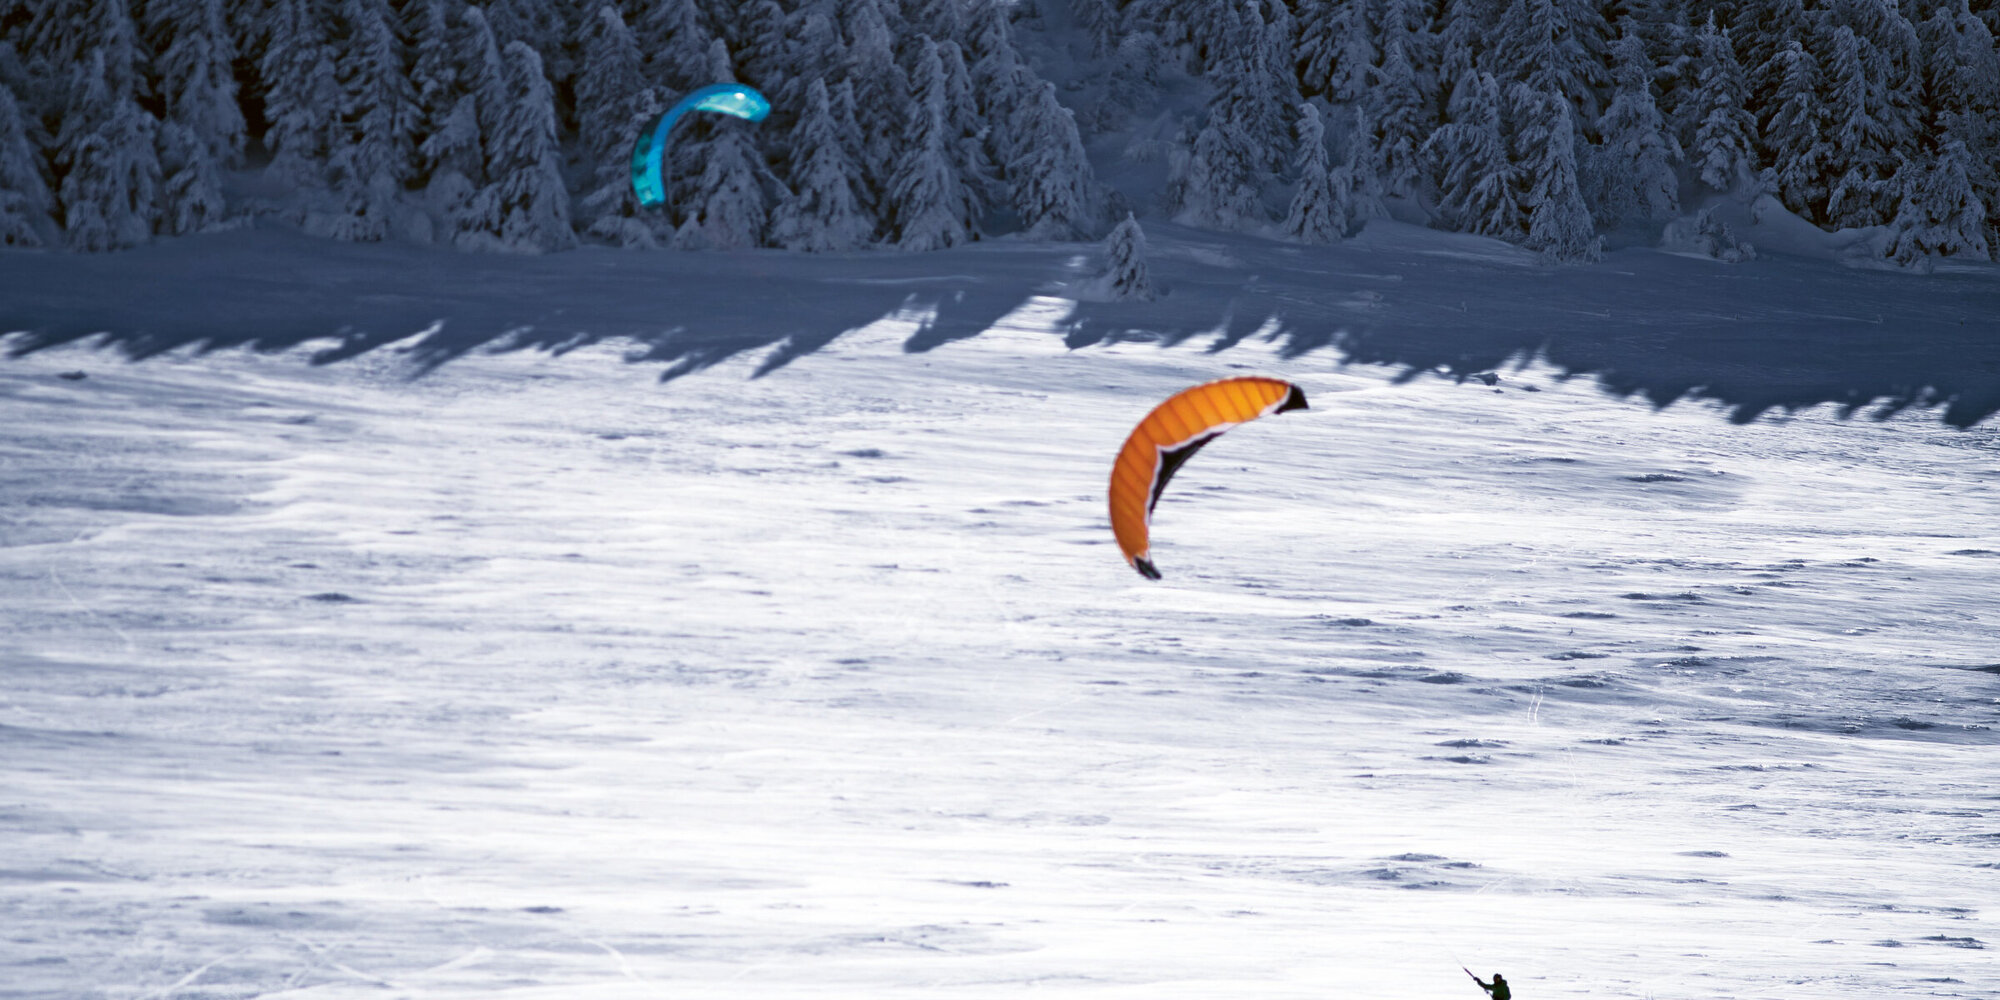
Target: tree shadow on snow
point(1773, 333)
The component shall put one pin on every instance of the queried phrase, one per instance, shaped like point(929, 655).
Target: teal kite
point(723, 98)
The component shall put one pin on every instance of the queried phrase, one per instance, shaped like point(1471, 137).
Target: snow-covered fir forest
point(920, 124)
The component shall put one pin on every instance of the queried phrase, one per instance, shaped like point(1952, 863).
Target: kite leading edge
point(1168, 437)
point(739, 100)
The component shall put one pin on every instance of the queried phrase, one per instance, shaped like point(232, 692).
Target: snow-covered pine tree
point(725, 207)
point(1002, 84)
point(1590, 33)
point(526, 162)
point(1266, 84)
point(1460, 41)
point(1671, 47)
point(1352, 30)
point(1535, 44)
point(765, 53)
point(1760, 30)
point(27, 208)
point(815, 53)
point(613, 103)
point(675, 43)
point(458, 147)
point(932, 208)
point(1857, 144)
point(1134, 83)
point(203, 130)
point(1793, 132)
point(970, 154)
point(989, 44)
point(106, 157)
point(1938, 214)
point(1099, 21)
point(542, 24)
point(822, 212)
point(301, 94)
point(1360, 173)
point(483, 71)
point(942, 20)
point(1632, 168)
point(1320, 207)
point(1239, 147)
point(1477, 181)
point(882, 97)
point(249, 30)
point(1401, 103)
point(1962, 73)
point(374, 149)
point(430, 24)
point(1559, 224)
point(1960, 64)
point(1722, 126)
point(1316, 46)
point(1126, 276)
point(1165, 20)
point(1052, 178)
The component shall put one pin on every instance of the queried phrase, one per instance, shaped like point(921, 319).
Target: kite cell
point(722, 98)
point(1169, 436)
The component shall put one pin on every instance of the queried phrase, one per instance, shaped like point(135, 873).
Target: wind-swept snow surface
point(534, 676)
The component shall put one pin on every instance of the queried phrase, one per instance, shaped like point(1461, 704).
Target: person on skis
point(1497, 989)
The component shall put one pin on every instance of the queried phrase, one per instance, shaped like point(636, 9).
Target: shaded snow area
point(812, 670)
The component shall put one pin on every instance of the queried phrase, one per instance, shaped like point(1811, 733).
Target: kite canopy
point(736, 99)
point(1169, 436)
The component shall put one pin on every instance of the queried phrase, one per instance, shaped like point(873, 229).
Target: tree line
point(919, 124)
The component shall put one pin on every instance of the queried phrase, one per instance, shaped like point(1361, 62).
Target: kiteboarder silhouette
point(1497, 989)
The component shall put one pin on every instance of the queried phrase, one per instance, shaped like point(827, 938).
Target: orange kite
point(1169, 436)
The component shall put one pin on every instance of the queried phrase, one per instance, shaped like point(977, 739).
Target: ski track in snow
point(534, 677)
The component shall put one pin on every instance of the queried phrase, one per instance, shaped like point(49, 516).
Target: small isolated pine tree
point(1938, 214)
point(26, 207)
point(1125, 252)
point(1320, 207)
point(822, 212)
point(527, 162)
point(1714, 238)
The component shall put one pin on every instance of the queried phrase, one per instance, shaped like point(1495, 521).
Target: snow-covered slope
point(813, 671)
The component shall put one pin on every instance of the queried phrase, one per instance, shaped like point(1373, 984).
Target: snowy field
point(441, 670)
